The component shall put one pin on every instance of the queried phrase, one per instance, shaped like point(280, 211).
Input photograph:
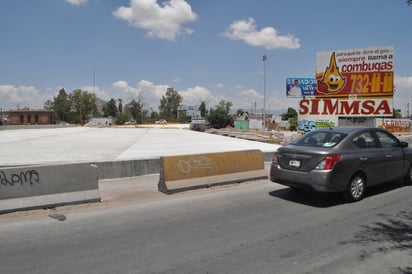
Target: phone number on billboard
point(373, 83)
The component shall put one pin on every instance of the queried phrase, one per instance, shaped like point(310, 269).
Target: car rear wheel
point(355, 189)
point(408, 177)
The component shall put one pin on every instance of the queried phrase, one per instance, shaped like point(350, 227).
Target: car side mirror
point(404, 144)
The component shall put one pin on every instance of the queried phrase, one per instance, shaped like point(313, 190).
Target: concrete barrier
point(127, 168)
point(29, 187)
point(40, 186)
point(185, 172)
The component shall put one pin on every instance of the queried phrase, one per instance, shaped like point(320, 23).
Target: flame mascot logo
point(332, 80)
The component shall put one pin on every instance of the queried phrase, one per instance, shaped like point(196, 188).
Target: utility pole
point(264, 91)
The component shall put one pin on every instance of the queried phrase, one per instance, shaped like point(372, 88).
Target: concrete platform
point(88, 144)
point(121, 156)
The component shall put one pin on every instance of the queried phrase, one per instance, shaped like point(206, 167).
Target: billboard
point(394, 125)
point(365, 72)
point(349, 83)
point(298, 87)
point(346, 107)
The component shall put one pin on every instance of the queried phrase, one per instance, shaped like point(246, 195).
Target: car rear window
point(319, 139)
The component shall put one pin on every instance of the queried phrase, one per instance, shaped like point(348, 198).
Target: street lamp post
point(264, 90)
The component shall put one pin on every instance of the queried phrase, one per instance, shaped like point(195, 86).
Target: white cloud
point(146, 91)
point(150, 94)
point(403, 82)
point(12, 97)
point(102, 94)
point(195, 96)
point(251, 93)
point(267, 37)
point(220, 85)
point(77, 2)
point(252, 101)
point(249, 100)
point(163, 21)
point(121, 84)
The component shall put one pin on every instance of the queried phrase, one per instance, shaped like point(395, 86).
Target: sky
point(207, 50)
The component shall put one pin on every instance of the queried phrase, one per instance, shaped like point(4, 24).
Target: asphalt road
point(255, 227)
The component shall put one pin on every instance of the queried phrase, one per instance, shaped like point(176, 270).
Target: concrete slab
point(119, 152)
point(87, 144)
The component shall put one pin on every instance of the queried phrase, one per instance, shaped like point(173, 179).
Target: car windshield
point(319, 139)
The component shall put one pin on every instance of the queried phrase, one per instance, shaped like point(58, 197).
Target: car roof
point(346, 130)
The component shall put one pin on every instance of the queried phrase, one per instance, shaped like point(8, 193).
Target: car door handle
point(389, 155)
point(363, 159)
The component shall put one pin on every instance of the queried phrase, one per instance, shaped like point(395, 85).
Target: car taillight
point(328, 162)
point(275, 158)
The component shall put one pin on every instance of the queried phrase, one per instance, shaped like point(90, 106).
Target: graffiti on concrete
point(20, 178)
point(197, 162)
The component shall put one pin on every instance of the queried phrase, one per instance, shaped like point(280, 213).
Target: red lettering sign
point(339, 107)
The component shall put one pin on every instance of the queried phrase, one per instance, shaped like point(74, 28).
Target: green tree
point(48, 105)
point(183, 117)
point(110, 109)
point(62, 106)
point(83, 104)
point(121, 118)
point(220, 117)
point(293, 123)
point(224, 106)
point(240, 112)
point(154, 115)
point(169, 104)
point(135, 110)
point(203, 110)
point(73, 107)
point(291, 113)
point(397, 112)
point(292, 116)
point(120, 105)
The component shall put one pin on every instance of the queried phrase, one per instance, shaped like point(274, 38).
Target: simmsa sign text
point(340, 107)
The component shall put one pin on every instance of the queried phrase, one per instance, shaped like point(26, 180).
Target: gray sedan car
point(342, 159)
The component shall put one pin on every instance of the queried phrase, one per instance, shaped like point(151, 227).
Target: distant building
point(30, 117)
point(100, 122)
point(252, 121)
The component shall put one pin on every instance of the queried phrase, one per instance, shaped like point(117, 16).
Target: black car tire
point(408, 178)
point(356, 188)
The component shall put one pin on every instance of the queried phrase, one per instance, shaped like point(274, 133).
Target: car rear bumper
point(318, 180)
